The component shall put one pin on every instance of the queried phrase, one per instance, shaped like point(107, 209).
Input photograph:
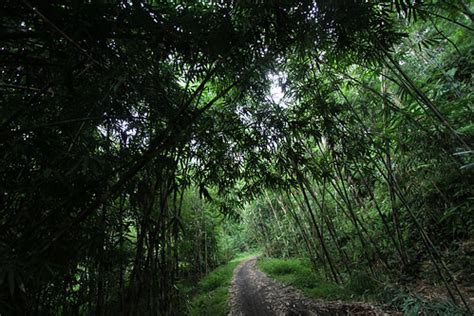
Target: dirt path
point(255, 294)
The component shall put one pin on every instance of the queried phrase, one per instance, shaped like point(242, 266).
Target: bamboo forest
point(236, 157)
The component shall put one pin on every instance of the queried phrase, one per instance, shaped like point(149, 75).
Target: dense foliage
point(132, 133)
point(382, 178)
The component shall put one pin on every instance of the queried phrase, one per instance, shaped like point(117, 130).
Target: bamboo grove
point(138, 137)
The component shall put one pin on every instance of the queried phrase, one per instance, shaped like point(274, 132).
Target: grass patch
point(298, 272)
point(359, 287)
point(414, 304)
point(213, 290)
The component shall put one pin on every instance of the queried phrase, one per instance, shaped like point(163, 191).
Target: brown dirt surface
point(255, 294)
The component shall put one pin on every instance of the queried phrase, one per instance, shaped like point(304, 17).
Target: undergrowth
point(298, 272)
point(360, 286)
point(412, 304)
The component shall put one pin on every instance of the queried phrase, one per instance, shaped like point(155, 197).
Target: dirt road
point(255, 294)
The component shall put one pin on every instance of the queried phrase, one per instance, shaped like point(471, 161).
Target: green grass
point(298, 272)
point(213, 290)
point(359, 287)
point(414, 305)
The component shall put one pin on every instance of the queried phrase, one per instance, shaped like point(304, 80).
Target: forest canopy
point(145, 142)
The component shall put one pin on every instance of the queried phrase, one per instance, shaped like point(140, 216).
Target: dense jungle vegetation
point(145, 143)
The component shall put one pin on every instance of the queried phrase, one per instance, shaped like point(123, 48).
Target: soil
point(255, 294)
